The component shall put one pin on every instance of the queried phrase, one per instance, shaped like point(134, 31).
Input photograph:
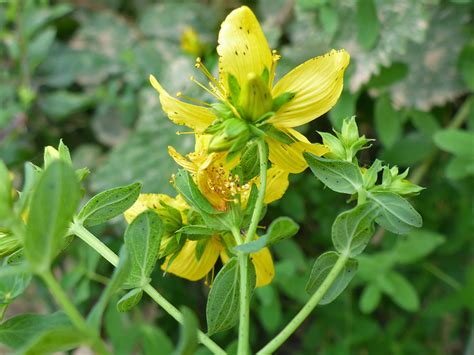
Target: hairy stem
point(290, 328)
point(244, 308)
point(112, 258)
point(76, 318)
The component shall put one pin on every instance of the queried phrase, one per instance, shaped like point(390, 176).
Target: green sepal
point(234, 88)
point(278, 135)
point(282, 99)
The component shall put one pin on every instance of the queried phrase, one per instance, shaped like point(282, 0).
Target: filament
point(199, 102)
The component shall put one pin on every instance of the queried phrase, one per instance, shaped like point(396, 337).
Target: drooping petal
point(182, 161)
point(264, 268)
point(186, 264)
point(277, 184)
point(196, 117)
point(317, 85)
point(289, 157)
point(243, 48)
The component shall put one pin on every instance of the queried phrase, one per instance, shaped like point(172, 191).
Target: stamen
point(200, 65)
point(180, 133)
point(185, 97)
point(275, 58)
point(204, 88)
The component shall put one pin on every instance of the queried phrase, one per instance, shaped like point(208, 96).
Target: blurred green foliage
point(78, 70)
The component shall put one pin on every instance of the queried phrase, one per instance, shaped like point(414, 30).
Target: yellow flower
point(212, 174)
point(249, 103)
point(186, 263)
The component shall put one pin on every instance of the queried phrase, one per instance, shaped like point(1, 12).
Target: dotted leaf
point(109, 204)
point(222, 310)
point(320, 271)
point(396, 213)
point(340, 176)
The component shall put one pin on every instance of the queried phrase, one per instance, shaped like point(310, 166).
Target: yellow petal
point(145, 202)
point(263, 262)
point(243, 48)
point(187, 266)
point(317, 84)
point(277, 184)
point(196, 117)
point(289, 157)
point(182, 161)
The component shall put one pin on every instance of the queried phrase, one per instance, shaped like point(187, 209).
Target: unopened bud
point(255, 98)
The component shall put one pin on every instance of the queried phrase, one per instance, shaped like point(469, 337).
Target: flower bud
point(232, 131)
point(255, 99)
point(8, 244)
point(349, 132)
point(337, 150)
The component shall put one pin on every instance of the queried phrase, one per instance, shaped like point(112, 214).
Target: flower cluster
point(248, 106)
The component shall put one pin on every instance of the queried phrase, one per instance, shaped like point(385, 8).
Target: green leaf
point(12, 286)
point(396, 213)
point(196, 230)
point(340, 176)
point(108, 204)
point(62, 104)
point(62, 338)
point(416, 245)
point(187, 188)
point(222, 310)
point(280, 229)
point(52, 207)
point(18, 331)
point(456, 141)
point(459, 167)
point(388, 76)
point(387, 121)
point(130, 300)
point(118, 278)
point(155, 341)
point(142, 239)
point(352, 230)
point(188, 336)
point(329, 19)
point(368, 25)
point(370, 298)
point(465, 65)
point(321, 268)
point(6, 202)
point(249, 162)
point(402, 292)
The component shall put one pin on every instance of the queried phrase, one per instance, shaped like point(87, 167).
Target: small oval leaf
point(322, 267)
point(340, 176)
point(142, 239)
point(222, 310)
point(129, 300)
point(109, 204)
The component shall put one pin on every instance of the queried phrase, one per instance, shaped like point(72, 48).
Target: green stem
point(244, 308)
point(76, 318)
point(277, 341)
point(257, 212)
point(112, 258)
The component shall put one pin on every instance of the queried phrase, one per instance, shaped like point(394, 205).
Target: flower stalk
point(294, 324)
point(91, 240)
